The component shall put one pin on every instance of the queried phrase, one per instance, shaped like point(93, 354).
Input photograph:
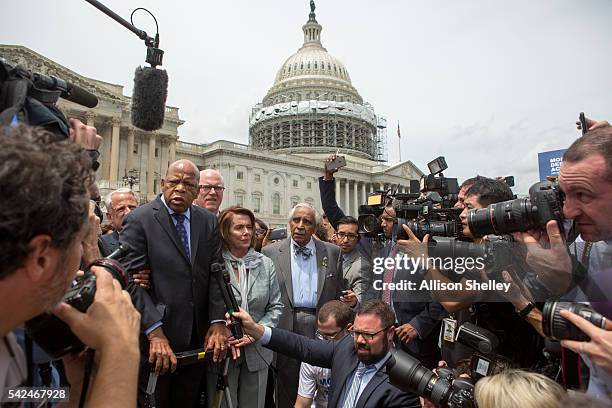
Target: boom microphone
point(149, 98)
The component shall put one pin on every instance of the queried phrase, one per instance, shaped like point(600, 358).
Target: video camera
point(31, 98)
point(545, 203)
point(369, 214)
point(52, 334)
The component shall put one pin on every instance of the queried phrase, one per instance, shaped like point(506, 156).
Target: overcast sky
point(486, 83)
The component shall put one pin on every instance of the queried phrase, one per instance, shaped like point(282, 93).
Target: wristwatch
point(525, 311)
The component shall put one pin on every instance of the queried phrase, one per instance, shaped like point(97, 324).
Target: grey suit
point(248, 375)
point(357, 272)
point(329, 287)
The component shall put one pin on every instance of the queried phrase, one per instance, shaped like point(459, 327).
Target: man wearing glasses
point(334, 321)
point(210, 192)
point(356, 268)
point(357, 362)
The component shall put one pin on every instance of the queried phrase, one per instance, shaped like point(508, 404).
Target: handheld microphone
point(149, 98)
point(223, 279)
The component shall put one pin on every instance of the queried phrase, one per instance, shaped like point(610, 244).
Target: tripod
point(223, 387)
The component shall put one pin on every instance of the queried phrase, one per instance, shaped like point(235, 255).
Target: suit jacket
point(341, 358)
point(357, 273)
point(182, 289)
point(110, 242)
point(416, 308)
point(329, 285)
point(265, 307)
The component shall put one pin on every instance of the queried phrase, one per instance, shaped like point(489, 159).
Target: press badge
point(449, 329)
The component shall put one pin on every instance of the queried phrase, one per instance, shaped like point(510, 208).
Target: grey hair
point(108, 201)
point(304, 205)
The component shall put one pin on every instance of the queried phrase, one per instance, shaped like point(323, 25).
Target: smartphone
point(278, 234)
point(509, 180)
point(583, 124)
point(338, 162)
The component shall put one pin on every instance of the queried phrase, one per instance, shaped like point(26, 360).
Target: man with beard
point(357, 362)
point(41, 238)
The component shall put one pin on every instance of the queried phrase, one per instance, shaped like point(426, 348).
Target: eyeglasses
point(260, 231)
point(174, 183)
point(207, 187)
point(342, 235)
point(322, 336)
point(366, 336)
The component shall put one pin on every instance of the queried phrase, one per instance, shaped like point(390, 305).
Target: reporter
point(41, 239)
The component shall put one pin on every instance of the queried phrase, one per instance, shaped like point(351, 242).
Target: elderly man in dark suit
point(309, 277)
point(178, 242)
point(357, 362)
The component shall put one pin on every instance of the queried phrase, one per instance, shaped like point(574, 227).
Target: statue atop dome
point(312, 6)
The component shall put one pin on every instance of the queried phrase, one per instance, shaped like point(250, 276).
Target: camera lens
point(557, 327)
point(501, 218)
point(407, 373)
point(368, 223)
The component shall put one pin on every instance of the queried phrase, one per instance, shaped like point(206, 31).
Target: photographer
point(518, 340)
point(41, 237)
point(586, 180)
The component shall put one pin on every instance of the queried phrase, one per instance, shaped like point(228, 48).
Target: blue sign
point(550, 163)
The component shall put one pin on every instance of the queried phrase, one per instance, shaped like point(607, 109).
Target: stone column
point(356, 198)
point(371, 187)
point(266, 199)
point(151, 167)
point(90, 117)
point(129, 162)
point(105, 152)
point(114, 162)
point(363, 192)
point(347, 199)
point(337, 190)
point(248, 201)
point(173, 150)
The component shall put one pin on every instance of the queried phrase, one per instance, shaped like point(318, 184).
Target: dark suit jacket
point(329, 286)
point(110, 242)
point(182, 289)
point(341, 358)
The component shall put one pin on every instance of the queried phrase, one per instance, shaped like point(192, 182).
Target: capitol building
point(311, 110)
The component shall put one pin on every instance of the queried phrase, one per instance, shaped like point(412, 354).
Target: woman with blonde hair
point(253, 280)
point(518, 388)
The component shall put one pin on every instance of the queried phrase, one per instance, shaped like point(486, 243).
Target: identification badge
point(449, 329)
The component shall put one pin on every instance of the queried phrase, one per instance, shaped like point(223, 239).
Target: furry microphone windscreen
point(149, 98)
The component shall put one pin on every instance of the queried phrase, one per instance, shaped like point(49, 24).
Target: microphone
point(223, 279)
point(149, 98)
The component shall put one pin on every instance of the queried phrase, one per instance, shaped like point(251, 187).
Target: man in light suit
point(356, 267)
point(357, 362)
point(309, 276)
point(178, 242)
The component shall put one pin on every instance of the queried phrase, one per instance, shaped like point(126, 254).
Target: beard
point(53, 293)
point(367, 357)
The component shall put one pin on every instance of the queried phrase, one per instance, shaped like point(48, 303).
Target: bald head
point(180, 185)
point(210, 195)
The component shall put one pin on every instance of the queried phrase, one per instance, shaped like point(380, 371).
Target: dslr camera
point(545, 203)
point(557, 327)
point(53, 335)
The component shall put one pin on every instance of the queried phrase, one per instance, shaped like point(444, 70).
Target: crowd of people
point(319, 322)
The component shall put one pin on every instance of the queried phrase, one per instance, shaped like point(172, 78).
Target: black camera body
point(369, 215)
point(52, 334)
point(545, 203)
point(409, 375)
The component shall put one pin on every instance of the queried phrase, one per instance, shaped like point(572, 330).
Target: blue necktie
point(350, 400)
point(182, 232)
point(306, 252)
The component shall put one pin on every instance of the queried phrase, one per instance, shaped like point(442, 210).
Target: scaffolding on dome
point(319, 126)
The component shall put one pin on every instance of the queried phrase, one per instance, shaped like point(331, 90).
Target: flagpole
point(399, 141)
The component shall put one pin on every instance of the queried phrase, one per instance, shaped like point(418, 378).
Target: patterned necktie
point(182, 232)
point(306, 252)
point(350, 400)
point(388, 278)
